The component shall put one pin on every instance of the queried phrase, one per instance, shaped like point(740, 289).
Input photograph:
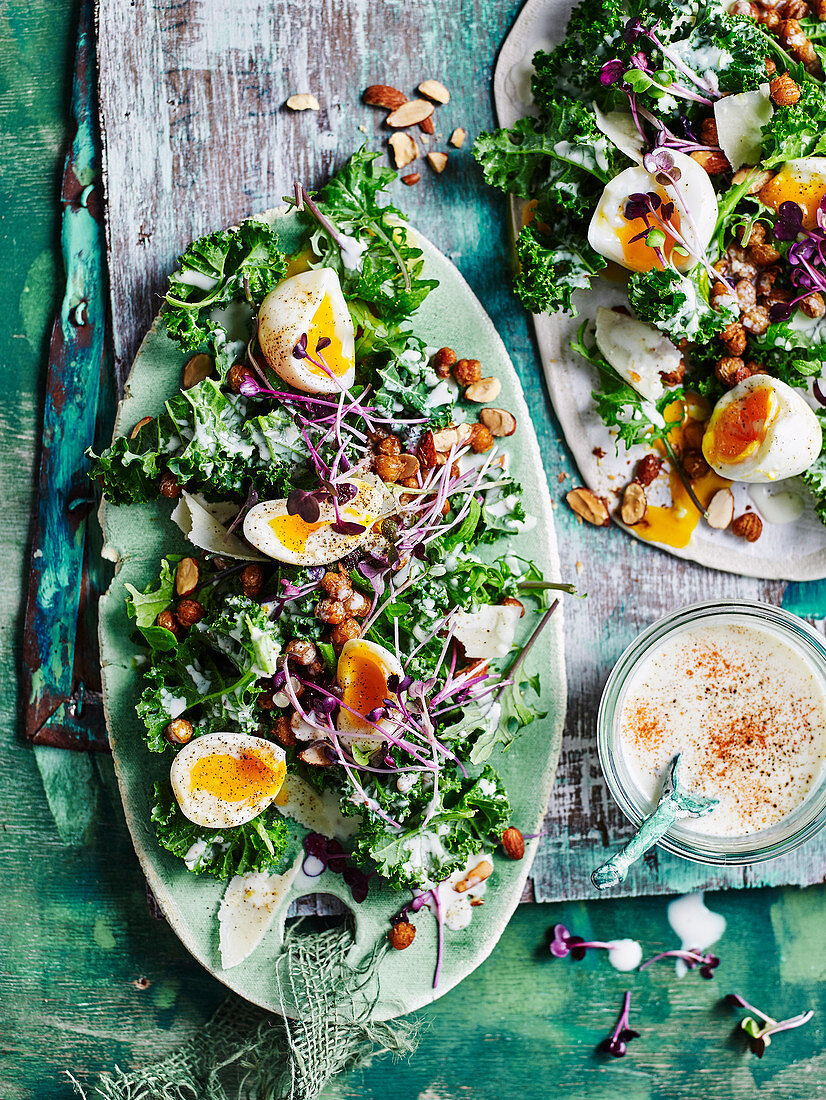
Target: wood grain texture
point(196, 137)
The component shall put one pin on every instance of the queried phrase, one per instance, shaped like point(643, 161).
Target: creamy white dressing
point(778, 504)
point(197, 279)
point(694, 924)
point(625, 955)
point(745, 708)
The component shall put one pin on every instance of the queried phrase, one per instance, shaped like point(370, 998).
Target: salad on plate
point(677, 157)
point(338, 647)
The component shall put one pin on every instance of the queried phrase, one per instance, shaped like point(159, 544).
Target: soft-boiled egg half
point(225, 779)
point(802, 181)
point(362, 674)
point(612, 235)
point(309, 303)
point(761, 430)
point(272, 530)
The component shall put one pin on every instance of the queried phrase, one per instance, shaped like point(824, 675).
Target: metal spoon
point(674, 805)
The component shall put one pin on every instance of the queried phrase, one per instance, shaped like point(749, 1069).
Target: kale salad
point(335, 629)
point(678, 150)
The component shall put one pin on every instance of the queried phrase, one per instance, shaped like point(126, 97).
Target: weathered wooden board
point(196, 136)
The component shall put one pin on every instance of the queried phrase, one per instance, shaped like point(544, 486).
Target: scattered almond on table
point(404, 113)
point(303, 101)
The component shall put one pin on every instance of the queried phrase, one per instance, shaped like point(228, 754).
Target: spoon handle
point(614, 870)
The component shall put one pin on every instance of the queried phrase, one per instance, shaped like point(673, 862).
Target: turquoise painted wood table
point(87, 977)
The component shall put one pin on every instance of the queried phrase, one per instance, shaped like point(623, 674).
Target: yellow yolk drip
point(638, 255)
point(333, 355)
point(788, 187)
point(675, 524)
point(740, 428)
point(293, 532)
point(364, 681)
point(236, 778)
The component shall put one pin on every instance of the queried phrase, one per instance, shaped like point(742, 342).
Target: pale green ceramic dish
point(138, 535)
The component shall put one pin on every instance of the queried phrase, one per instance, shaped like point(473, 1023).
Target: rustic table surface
point(88, 977)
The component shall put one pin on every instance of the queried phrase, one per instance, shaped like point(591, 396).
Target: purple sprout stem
point(681, 67)
point(440, 924)
point(624, 1018)
point(686, 956)
point(786, 1025)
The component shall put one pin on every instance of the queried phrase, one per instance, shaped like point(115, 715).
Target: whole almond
point(632, 509)
point(197, 369)
point(457, 138)
point(433, 89)
point(499, 422)
point(426, 451)
point(588, 506)
point(384, 95)
point(720, 511)
point(405, 149)
point(486, 389)
point(437, 161)
point(186, 576)
point(513, 843)
point(303, 101)
point(411, 179)
point(410, 113)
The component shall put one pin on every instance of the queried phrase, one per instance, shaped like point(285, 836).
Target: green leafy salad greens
point(729, 263)
point(240, 642)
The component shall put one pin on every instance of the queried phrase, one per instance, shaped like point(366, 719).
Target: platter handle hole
point(327, 910)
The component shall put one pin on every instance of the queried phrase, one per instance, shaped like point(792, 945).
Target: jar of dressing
point(738, 689)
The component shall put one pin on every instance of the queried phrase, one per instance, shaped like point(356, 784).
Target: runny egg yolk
point(293, 532)
point(740, 428)
point(323, 326)
point(364, 680)
point(638, 255)
point(231, 778)
point(788, 186)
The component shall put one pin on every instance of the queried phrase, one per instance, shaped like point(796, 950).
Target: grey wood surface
point(196, 136)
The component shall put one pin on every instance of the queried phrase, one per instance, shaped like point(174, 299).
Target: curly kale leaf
point(259, 845)
point(744, 47)
point(677, 304)
point(798, 131)
point(242, 264)
point(563, 157)
point(402, 377)
point(245, 633)
point(471, 814)
point(389, 275)
point(552, 268)
point(572, 68)
point(207, 439)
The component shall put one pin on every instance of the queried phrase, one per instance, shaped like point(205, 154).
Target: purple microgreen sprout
point(759, 1034)
point(692, 958)
point(636, 29)
point(617, 1042)
point(564, 944)
point(806, 255)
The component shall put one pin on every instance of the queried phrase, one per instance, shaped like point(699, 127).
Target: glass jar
point(784, 836)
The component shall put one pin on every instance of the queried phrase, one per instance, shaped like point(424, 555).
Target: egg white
point(637, 351)
point(209, 809)
point(323, 545)
point(692, 192)
point(287, 313)
point(793, 439)
point(352, 652)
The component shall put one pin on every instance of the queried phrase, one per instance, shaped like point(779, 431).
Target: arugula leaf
point(233, 265)
point(552, 268)
point(677, 304)
point(389, 278)
point(259, 845)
